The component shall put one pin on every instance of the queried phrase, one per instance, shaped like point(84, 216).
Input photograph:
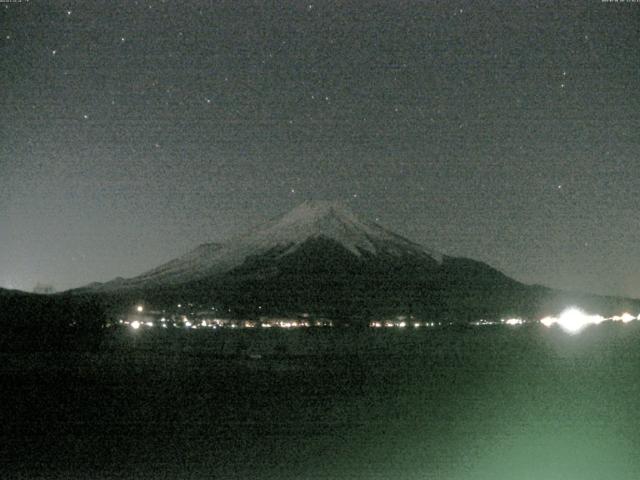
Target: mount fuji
point(322, 259)
point(309, 223)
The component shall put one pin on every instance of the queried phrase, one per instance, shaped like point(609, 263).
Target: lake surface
point(483, 403)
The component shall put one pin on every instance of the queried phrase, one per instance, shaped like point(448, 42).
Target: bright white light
point(149, 324)
point(514, 321)
point(402, 324)
point(140, 308)
point(573, 320)
point(187, 324)
point(135, 324)
point(548, 321)
point(627, 317)
point(624, 318)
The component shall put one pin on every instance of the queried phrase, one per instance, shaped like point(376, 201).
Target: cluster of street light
point(572, 320)
point(402, 323)
point(141, 319)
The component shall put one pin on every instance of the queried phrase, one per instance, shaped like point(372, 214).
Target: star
point(122, 39)
point(86, 117)
point(208, 100)
point(68, 12)
point(53, 52)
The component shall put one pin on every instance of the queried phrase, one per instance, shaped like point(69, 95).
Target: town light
point(514, 321)
point(627, 317)
point(573, 320)
point(548, 321)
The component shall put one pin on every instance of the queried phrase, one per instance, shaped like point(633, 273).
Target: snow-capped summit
point(333, 221)
point(325, 220)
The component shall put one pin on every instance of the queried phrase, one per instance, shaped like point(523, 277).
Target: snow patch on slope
point(333, 221)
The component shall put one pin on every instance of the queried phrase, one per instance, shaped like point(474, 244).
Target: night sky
point(507, 132)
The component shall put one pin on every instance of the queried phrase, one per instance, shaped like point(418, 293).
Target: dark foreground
point(494, 403)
